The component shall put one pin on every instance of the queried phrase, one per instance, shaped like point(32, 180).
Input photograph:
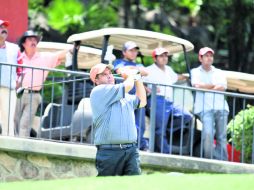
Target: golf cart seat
point(82, 119)
point(56, 121)
point(59, 123)
point(184, 147)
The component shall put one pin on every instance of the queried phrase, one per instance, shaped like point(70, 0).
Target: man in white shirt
point(162, 74)
point(212, 108)
point(9, 54)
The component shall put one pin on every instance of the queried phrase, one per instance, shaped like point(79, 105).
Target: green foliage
point(193, 5)
point(178, 63)
point(35, 5)
point(72, 16)
point(36, 14)
point(49, 88)
point(98, 15)
point(66, 14)
point(165, 30)
point(148, 61)
point(58, 88)
point(241, 130)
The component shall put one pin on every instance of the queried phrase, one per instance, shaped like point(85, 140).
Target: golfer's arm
point(141, 93)
point(129, 83)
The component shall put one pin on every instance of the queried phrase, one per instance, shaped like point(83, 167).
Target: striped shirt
point(113, 114)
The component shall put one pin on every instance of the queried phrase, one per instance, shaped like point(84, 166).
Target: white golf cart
point(85, 57)
point(147, 42)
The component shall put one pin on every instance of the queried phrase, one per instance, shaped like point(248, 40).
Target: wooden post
point(16, 12)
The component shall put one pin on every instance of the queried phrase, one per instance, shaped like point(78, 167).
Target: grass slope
point(172, 181)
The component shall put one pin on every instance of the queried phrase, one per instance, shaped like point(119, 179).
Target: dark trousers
point(118, 161)
point(164, 109)
point(141, 126)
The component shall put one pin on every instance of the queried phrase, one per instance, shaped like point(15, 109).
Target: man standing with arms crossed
point(212, 108)
point(114, 121)
point(9, 54)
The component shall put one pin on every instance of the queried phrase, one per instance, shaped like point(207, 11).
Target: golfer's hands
point(127, 72)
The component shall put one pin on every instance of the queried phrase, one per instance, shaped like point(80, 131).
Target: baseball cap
point(159, 51)
point(129, 45)
point(98, 69)
point(204, 50)
point(5, 23)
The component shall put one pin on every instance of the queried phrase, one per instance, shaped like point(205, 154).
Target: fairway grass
point(174, 181)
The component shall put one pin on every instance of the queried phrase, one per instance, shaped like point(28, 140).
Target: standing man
point(9, 53)
point(32, 80)
point(130, 52)
point(212, 108)
point(114, 121)
point(161, 73)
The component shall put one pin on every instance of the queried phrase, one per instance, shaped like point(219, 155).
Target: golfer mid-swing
point(114, 122)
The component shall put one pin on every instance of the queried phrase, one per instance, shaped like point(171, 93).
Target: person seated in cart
point(161, 73)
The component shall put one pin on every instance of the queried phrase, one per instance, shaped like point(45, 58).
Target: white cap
point(129, 45)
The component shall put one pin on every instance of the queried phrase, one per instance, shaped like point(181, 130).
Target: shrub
point(241, 131)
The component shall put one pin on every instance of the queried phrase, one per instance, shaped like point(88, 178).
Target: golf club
point(20, 91)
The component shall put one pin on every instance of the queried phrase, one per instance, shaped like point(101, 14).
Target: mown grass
point(174, 181)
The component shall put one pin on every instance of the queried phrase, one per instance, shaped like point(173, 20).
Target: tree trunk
point(239, 42)
point(137, 16)
point(126, 7)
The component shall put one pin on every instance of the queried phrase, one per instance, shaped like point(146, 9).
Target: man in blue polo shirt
point(114, 121)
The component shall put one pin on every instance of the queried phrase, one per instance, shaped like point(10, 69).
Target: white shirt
point(158, 76)
point(9, 55)
point(209, 101)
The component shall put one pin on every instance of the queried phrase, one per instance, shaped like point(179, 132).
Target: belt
point(116, 146)
point(32, 91)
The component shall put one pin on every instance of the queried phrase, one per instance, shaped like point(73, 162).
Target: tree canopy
point(225, 25)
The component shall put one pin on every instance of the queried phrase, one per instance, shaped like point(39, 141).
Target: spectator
point(212, 108)
point(32, 80)
point(161, 73)
point(114, 122)
point(9, 54)
point(130, 52)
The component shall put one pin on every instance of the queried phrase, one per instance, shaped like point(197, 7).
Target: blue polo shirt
point(113, 114)
point(119, 63)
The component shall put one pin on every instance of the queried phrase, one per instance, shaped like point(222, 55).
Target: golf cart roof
point(87, 56)
point(241, 82)
point(146, 40)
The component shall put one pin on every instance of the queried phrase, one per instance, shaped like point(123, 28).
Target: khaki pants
point(7, 108)
point(26, 108)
